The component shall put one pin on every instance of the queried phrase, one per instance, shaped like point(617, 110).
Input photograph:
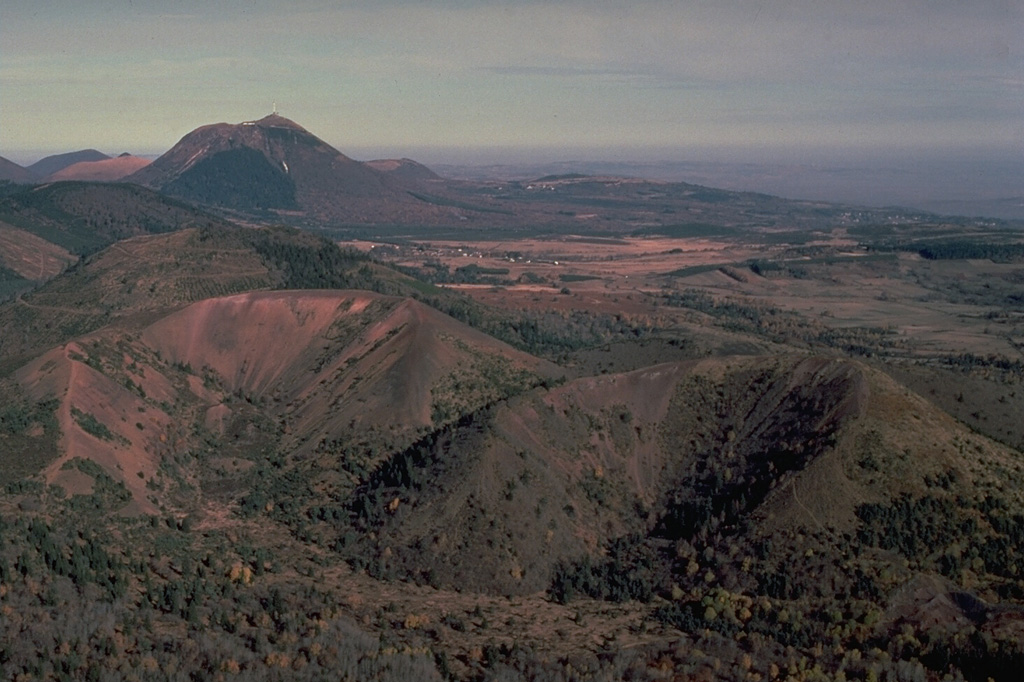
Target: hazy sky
point(583, 75)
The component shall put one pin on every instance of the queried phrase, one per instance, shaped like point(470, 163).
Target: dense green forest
point(239, 178)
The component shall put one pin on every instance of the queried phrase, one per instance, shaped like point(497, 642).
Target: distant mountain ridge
point(13, 172)
point(275, 165)
point(57, 162)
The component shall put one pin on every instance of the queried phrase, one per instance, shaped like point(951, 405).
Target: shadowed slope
point(55, 163)
point(84, 217)
point(674, 453)
point(12, 172)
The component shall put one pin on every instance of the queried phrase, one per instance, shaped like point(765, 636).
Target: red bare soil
point(108, 170)
point(328, 355)
point(325, 362)
point(83, 390)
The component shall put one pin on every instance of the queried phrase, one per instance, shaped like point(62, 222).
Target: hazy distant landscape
point(971, 183)
point(958, 184)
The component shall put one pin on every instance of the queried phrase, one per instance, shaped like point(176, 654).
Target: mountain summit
point(274, 164)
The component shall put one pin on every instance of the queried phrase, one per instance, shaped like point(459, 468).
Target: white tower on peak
point(275, 107)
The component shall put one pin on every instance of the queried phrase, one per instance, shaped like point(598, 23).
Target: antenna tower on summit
point(275, 107)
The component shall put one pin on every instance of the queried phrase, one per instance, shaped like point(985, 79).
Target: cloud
point(727, 41)
point(594, 70)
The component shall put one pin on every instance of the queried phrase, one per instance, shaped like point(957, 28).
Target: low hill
point(150, 275)
point(737, 449)
point(52, 164)
point(84, 217)
point(407, 345)
point(106, 170)
point(405, 169)
point(756, 504)
point(12, 172)
point(46, 228)
point(319, 368)
point(408, 425)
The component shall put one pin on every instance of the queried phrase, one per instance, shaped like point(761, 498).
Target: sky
point(491, 79)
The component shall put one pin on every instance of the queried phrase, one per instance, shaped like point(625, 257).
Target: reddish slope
point(107, 170)
point(51, 164)
point(331, 365)
point(126, 452)
point(336, 362)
